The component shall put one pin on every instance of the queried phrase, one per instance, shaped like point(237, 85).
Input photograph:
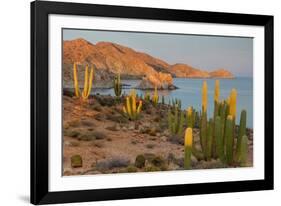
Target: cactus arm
point(209, 140)
point(242, 129)
point(86, 81)
point(188, 148)
point(229, 139)
point(128, 107)
point(139, 108)
point(75, 79)
point(232, 103)
point(219, 139)
point(134, 109)
point(217, 91)
point(243, 153)
point(90, 83)
point(203, 133)
point(204, 96)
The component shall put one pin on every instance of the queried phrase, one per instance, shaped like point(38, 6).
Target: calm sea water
point(190, 93)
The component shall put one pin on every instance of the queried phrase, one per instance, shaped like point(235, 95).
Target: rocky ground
point(99, 139)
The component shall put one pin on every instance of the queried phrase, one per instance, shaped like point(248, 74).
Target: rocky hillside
point(110, 59)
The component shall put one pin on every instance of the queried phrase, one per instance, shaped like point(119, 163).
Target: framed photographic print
point(131, 102)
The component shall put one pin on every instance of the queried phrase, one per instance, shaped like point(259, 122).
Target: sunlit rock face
point(110, 59)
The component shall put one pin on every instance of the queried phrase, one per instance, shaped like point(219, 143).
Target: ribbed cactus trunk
point(117, 85)
point(75, 81)
point(242, 129)
point(209, 140)
point(188, 148)
point(190, 117)
point(243, 152)
point(229, 140)
point(219, 139)
point(203, 133)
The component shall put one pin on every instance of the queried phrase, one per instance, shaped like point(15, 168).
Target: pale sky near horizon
point(204, 52)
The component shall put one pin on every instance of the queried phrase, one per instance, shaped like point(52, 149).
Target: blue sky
point(204, 52)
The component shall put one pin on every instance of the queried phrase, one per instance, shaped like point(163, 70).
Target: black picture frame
point(39, 102)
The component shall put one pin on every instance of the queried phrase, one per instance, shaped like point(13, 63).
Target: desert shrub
point(150, 146)
point(87, 123)
point(74, 123)
point(100, 117)
point(151, 169)
point(140, 161)
point(71, 133)
point(76, 161)
point(112, 128)
point(176, 139)
point(112, 163)
point(96, 107)
point(158, 161)
point(98, 144)
point(74, 144)
point(131, 168)
point(99, 134)
point(117, 118)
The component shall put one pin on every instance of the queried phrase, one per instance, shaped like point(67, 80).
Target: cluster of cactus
point(88, 82)
point(155, 97)
point(218, 133)
point(132, 109)
point(176, 120)
point(117, 86)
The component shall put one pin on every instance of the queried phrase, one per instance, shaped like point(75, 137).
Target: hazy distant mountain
point(110, 59)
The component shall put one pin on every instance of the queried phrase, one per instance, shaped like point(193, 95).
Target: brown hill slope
point(110, 59)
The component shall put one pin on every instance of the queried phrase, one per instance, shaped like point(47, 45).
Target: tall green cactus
point(209, 140)
point(203, 133)
point(219, 139)
point(190, 117)
point(229, 139)
point(242, 154)
point(242, 130)
point(176, 121)
point(147, 96)
point(117, 86)
point(188, 148)
point(155, 97)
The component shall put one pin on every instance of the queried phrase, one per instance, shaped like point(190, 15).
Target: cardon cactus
point(163, 100)
point(117, 85)
point(242, 130)
point(131, 109)
point(217, 91)
point(190, 117)
point(232, 103)
point(229, 139)
point(88, 82)
point(147, 96)
point(75, 81)
point(176, 121)
point(209, 140)
point(155, 97)
point(243, 152)
point(219, 139)
point(203, 132)
point(187, 148)
point(204, 96)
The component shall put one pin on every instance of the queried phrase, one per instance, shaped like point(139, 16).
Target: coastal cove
point(189, 91)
